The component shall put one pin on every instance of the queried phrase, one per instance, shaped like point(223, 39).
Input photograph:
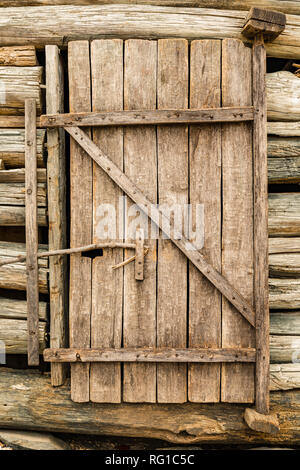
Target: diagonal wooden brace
point(164, 223)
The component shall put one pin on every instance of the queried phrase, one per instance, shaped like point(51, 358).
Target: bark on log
point(284, 349)
point(14, 335)
point(17, 175)
point(13, 194)
point(17, 309)
point(13, 276)
point(17, 84)
point(291, 7)
point(284, 214)
point(283, 96)
point(12, 147)
point(284, 129)
point(59, 24)
point(284, 294)
point(284, 376)
point(285, 323)
point(15, 216)
point(18, 56)
point(27, 401)
point(283, 159)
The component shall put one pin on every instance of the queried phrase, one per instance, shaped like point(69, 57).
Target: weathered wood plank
point(284, 265)
point(40, 25)
point(237, 381)
point(284, 348)
point(284, 294)
point(13, 194)
point(17, 175)
point(284, 214)
point(81, 220)
point(205, 188)
point(12, 122)
point(14, 334)
point(15, 216)
point(283, 159)
point(12, 147)
point(18, 84)
point(284, 129)
point(139, 329)
point(172, 160)
point(260, 226)
point(36, 405)
point(107, 283)
point(14, 309)
point(284, 376)
point(32, 270)
point(57, 233)
point(148, 355)
point(285, 323)
point(158, 116)
point(283, 96)
point(18, 56)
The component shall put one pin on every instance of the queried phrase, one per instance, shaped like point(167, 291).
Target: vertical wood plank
point(261, 288)
point(31, 233)
point(56, 185)
point(205, 188)
point(237, 234)
point(107, 283)
point(140, 165)
point(172, 158)
point(81, 220)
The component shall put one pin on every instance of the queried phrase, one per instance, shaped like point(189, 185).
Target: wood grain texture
point(284, 294)
point(283, 159)
point(285, 322)
point(172, 160)
point(57, 24)
point(12, 122)
point(17, 175)
point(14, 333)
point(12, 147)
point(284, 265)
point(17, 309)
point(237, 382)
point(139, 329)
point(283, 96)
point(57, 233)
point(205, 188)
point(284, 376)
point(17, 85)
point(32, 290)
point(18, 56)
point(81, 220)
point(285, 348)
point(284, 214)
point(107, 283)
point(15, 216)
point(13, 194)
point(284, 129)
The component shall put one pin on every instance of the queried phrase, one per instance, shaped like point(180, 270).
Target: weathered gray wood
point(14, 334)
point(17, 85)
point(284, 376)
point(237, 380)
point(284, 214)
point(172, 161)
point(284, 349)
point(17, 309)
point(17, 175)
point(12, 147)
point(262, 422)
point(284, 294)
point(285, 323)
point(32, 271)
point(283, 159)
point(283, 96)
point(81, 220)
point(15, 216)
point(158, 116)
point(14, 122)
point(148, 355)
point(41, 25)
point(20, 440)
point(57, 233)
point(107, 295)
point(284, 129)
point(13, 276)
point(139, 255)
point(13, 194)
point(279, 147)
point(284, 265)
point(266, 22)
point(205, 188)
point(260, 219)
point(35, 405)
point(140, 165)
point(18, 56)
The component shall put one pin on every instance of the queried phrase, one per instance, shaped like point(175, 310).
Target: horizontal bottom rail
point(150, 355)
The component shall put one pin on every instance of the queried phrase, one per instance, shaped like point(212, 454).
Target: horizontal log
point(284, 129)
point(17, 84)
point(12, 147)
point(158, 116)
point(13, 276)
point(285, 323)
point(284, 245)
point(283, 96)
point(284, 294)
point(12, 122)
point(58, 24)
point(284, 265)
point(284, 376)
point(17, 175)
point(14, 335)
point(18, 56)
point(283, 159)
point(14, 309)
point(34, 404)
point(284, 348)
point(150, 355)
point(13, 194)
point(15, 216)
point(284, 214)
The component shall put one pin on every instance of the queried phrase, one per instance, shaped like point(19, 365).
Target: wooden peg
point(139, 255)
point(265, 22)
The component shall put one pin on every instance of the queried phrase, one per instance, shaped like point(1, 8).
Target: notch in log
point(267, 22)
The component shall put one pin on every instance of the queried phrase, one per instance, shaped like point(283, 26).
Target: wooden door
point(207, 166)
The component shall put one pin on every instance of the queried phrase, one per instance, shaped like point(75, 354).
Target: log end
point(267, 424)
point(266, 22)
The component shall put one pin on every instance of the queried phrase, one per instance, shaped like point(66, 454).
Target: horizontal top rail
point(150, 117)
